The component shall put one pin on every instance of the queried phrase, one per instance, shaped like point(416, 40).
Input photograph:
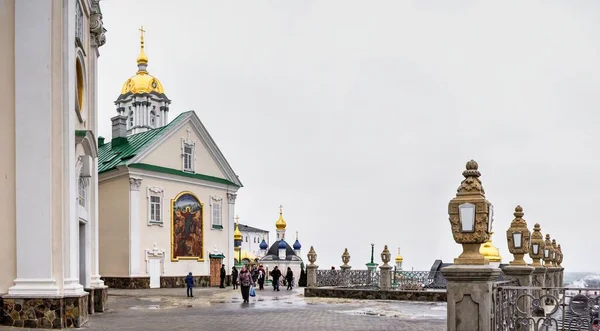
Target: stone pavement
point(222, 309)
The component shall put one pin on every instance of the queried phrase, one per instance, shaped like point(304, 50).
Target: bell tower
point(142, 99)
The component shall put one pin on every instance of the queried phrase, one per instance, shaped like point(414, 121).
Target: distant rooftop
point(247, 228)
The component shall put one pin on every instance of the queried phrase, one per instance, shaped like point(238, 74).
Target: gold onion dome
point(489, 251)
point(280, 224)
point(399, 257)
point(142, 82)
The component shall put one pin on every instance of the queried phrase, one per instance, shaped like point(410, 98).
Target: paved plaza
point(222, 309)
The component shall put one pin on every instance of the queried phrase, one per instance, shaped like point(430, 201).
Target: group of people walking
point(245, 279)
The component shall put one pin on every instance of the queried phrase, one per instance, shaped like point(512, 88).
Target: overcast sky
point(359, 116)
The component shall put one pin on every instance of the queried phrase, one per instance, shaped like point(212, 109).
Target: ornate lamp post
point(469, 215)
point(555, 253)
point(372, 265)
point(518, 237)
point(536, 248)
point(386, 269)
point(548, 252)
point(311, 269)
point(345, 260)
point(237, 242)
point(470, 275)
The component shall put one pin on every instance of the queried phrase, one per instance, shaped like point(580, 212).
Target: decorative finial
point(142, 36)
point(280, 209)
point(237, 219)
point(471, 184)
point(296, 235)
point(518, 212)
point(142, 59)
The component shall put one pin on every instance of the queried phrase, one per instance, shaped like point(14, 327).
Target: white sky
point(359, 116)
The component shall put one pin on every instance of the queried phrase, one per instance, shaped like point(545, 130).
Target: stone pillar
point(469, 293)
point(538, 280)
point(345, 267)
point(311, 275)
point(34, 149)
point(230, 228)
point(134, 227)
point(524, 275)
point(561, 278)
point(385, 280)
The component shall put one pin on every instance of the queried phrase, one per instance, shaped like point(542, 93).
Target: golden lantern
point(536, 248)
point(470, 217)
point(548, 252)
point(518, 237)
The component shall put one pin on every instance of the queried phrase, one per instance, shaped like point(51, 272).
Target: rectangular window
point(155, 208)
point(82, 192)
point(155, 212)
point(188, 157)
point(216, 212)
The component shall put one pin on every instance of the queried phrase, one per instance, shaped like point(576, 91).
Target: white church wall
point(113, 224)
point(168, 154)
point(151, 233)
point(8, 259)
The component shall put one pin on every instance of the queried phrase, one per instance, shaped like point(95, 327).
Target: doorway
point(154, 272)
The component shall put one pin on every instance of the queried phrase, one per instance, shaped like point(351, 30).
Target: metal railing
point(518, 308)
point(419, 280)
point(348, 278)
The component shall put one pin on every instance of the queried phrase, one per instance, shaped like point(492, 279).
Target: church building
point(49, 271)
point(167, 193)
point(281, 254)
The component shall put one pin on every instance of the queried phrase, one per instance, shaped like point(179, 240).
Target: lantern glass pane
point(466, 213)
point(517, 239)
point(491, 217)
point(546, 253)
point(536, 248)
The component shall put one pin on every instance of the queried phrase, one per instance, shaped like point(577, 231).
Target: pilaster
point(230, 228)
point(134, 227)
point(469, 294)
point(33, 155)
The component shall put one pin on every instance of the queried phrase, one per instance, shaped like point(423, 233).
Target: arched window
point(130, 119)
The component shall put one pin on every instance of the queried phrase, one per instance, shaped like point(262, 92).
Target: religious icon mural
point(186, 227)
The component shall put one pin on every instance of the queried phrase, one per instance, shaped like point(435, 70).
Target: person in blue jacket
point(189, 281)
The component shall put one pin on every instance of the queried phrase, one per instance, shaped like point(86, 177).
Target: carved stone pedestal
point(385, 279)
point(524, 275)
point(469, 294)
point(311, 275)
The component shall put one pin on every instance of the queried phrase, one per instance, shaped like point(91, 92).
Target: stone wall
point(165, 282)
point(348, 293)
point(57, 313)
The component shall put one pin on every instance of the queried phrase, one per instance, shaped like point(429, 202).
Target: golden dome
point(399, 257)
point(142, 82)
point(280, 224)
point(237, 235)
point(489, 251)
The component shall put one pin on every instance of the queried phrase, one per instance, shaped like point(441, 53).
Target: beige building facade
point(48, 187)
point(167, 193)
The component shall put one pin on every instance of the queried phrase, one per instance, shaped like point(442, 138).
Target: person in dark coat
point(223, 274)
point(275, 274)
point(189, 281)
point(245, 279)
point(289, 277)
point(261, 278)
point(234, 277)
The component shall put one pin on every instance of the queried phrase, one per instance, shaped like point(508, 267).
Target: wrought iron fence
point(348, 278)
point(419, 280)
point(518, 308)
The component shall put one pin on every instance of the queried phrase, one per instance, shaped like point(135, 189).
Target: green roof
point(171, 171)
point(110, 157)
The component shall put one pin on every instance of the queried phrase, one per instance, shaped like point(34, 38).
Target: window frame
point(157, 192)
point(192, 145)
point(216, 201)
